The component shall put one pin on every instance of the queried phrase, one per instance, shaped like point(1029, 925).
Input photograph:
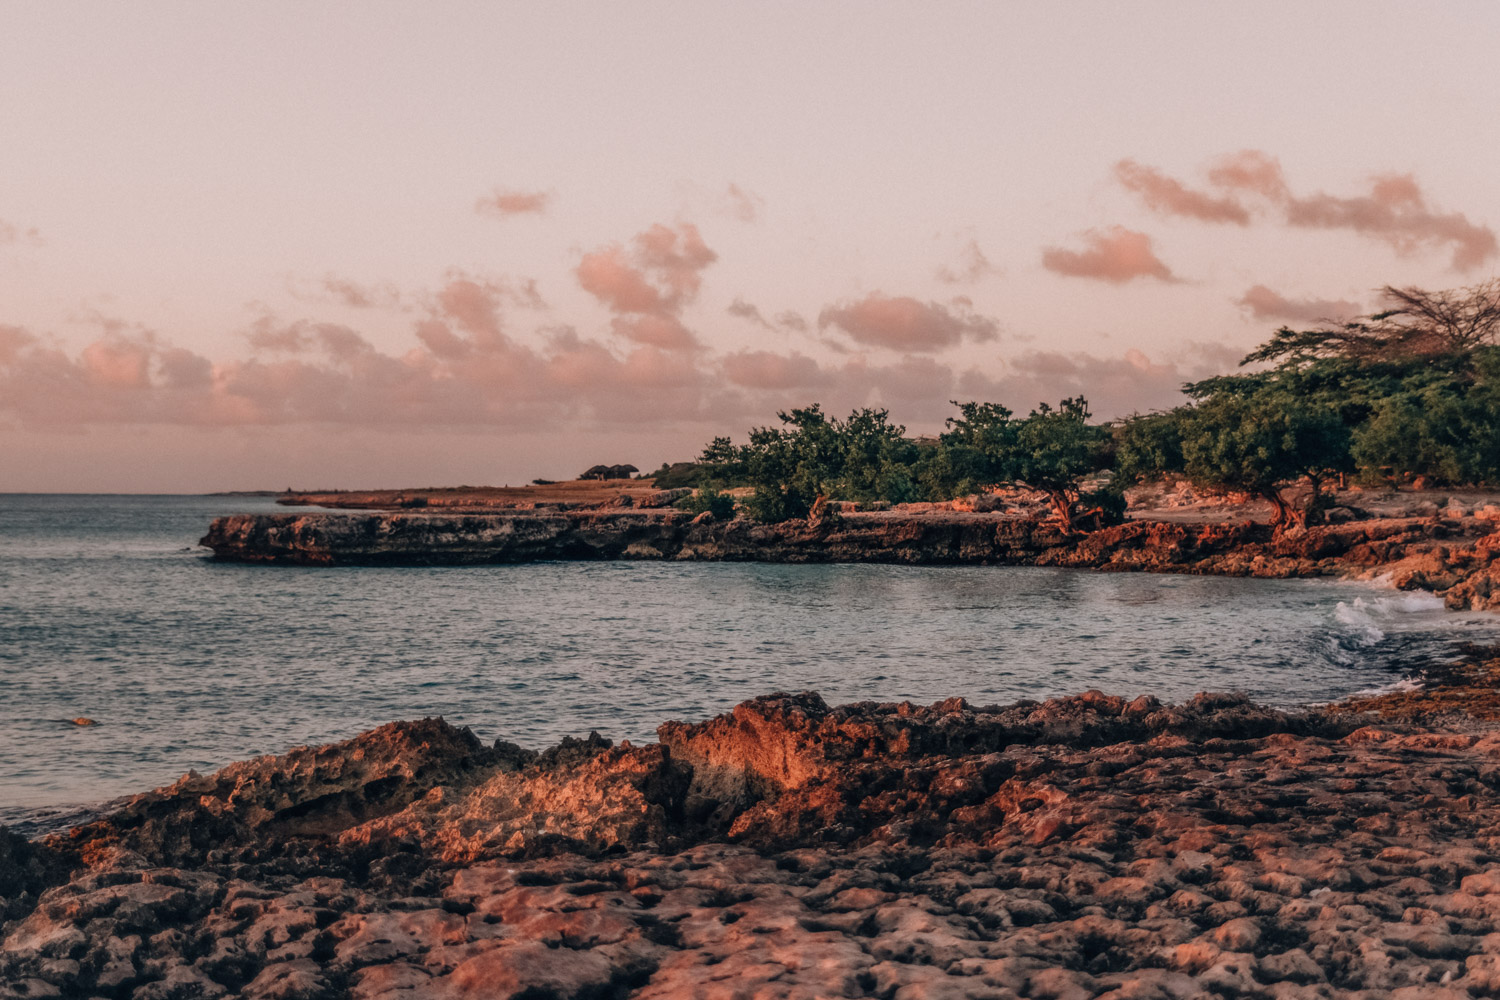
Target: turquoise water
point(108, 610)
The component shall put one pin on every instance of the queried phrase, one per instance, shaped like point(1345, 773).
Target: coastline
point(1453, 557)
point(1076, 846)
point(1091, 846)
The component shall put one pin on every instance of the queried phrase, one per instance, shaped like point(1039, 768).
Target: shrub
point(708, 500)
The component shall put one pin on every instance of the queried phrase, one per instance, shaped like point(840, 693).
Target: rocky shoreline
point(1081, 847)
point(1450, 556)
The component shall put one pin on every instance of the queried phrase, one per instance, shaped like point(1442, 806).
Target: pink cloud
point(648, 284)
point(791, 320)
point(748, 310)
point(609, 276)
point(903, 323)
point(657, 330)
point(1114, 386)
point(768, 370)
point(1263, 303)
point(117, 362)
point(743, 205)
point(677, 256)
point(11, 233)
point(1167, 196)
point(508, 203)
point(1395, 211)
point(1252, 171)
point(970, 266)
point(335, 377)
point(357, 296)
point(13, 340)
point(1116, 255)
point(474, 308)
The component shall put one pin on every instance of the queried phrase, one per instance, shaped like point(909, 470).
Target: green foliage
point(1103, 507)
point(711, 500)
point(679, 475)
point(1414, 324)
point(862, 458)
point(1148, 445)
point(1261, 443)
point(774, 505)
point(1443, 426)
point(1055, 449)
point(974, 451)
point(1411, 390)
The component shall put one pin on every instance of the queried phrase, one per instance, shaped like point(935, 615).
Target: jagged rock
point(662, 498)
point(308, 794)
point(1091, 846)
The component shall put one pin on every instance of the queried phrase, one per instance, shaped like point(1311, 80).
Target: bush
point(678, 475)
point(708, 500)
point(1106, 506)
point(773, 506)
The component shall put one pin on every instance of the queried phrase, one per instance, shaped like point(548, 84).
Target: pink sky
point(380, 244)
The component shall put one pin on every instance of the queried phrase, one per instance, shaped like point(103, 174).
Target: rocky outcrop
point(1452, 557)
point(1080, 847)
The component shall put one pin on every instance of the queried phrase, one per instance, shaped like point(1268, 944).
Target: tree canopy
point(1412, 390)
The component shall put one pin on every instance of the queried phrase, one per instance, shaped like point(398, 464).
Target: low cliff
point(1452, 557)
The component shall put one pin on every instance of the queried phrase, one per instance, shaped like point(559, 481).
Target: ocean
point(110, 611)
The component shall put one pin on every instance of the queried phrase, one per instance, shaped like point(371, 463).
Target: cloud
point(11, 233)
point(13, 340)
point(791, 320)
point(768, 370)
point(1395, 211)
point(648, 284)
point(473, 307)
point(1252, 171)
point(504, 204)
point(357, 296)
point(787, 319)
point(1263, 303)
point(461, 375)
point(1114, 386)
point(748, 310)
point(970, 266)
point(1116, 255)
point(903, 323)
point(743, 205)
point(1167, 196)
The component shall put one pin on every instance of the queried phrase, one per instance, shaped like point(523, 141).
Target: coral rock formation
point(1451, 557)
point(1081, 847)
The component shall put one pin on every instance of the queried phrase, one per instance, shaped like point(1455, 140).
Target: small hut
point(610, 472)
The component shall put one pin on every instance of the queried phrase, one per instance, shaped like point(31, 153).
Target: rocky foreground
point(1452, 554)
point(1076, 848)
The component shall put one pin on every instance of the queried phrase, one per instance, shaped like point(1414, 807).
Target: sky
point(355, 245)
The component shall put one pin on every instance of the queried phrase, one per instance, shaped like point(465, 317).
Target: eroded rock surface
point(1080, 847)
point(1454, 557)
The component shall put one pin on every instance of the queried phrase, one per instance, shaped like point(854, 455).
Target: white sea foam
point(1395, 687)
point(1365, 622)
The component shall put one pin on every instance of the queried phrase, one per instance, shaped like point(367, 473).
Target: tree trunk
point(1283, 516)
point(1062, 505)
point(1312, 511)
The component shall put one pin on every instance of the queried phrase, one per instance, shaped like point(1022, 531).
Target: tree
point(1054, 450)
point(972, 452)
point(1415, 323)
point(1148, 445)
point(1261, 444)
point(1439, 427)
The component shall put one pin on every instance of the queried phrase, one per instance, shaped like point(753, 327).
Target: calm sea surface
point(109, 610)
